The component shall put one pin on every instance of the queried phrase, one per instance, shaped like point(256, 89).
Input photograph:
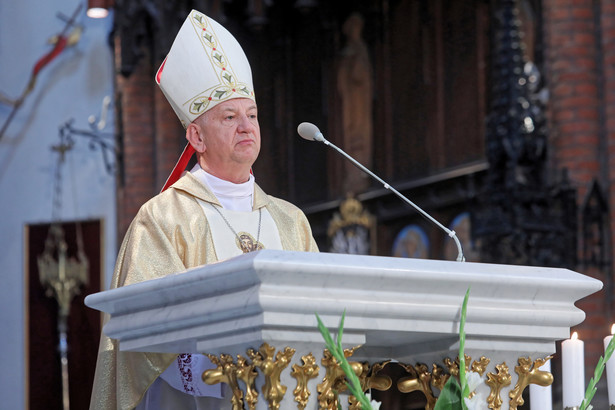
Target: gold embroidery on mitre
point(246, 243)
point(228, 86)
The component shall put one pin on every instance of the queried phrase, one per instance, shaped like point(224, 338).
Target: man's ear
point(194, 135)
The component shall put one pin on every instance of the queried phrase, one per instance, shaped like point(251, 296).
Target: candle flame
point(575, 336)
point(613, 329)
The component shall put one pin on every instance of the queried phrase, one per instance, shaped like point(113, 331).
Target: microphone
point(311, 132)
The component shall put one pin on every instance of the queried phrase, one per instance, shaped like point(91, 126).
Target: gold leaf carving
point(225, 372)
point(309, 370)
point(334, 378)
point(247, 373)
point(361, 373)
point(420, 378)
point(438, 377)
point(419, 381)
point(375, 381)
point(272, 367)
point(481, 365)
point(453, 366)
point(529, 373)
point(497, 381)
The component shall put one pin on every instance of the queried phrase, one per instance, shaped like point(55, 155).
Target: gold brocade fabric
point(171, 234)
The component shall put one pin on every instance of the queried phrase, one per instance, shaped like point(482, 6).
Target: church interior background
point(492, 115)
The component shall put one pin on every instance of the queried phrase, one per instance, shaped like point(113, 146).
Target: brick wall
point(152, 139)
point(572, 75)
point(169, 136)
point(579, 54)
point(608, 49)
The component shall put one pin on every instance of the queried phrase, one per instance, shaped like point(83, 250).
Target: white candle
point(573, 371)
point(540, 396)
point(610, 370)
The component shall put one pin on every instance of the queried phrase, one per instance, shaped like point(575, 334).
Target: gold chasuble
point(170, 234)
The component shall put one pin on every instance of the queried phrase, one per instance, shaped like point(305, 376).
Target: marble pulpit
point(255, 314)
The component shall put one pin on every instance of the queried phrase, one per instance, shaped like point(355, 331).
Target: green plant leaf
point(591, 388)
point(450, 396)
point(465, 391)
point(353, 384)
point(325, 333)
point(340, 331)
point(219, 94)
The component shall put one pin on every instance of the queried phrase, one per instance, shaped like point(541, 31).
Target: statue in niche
point(411, 242)
point(351, 231)
point(462, 226)
point(354, 84)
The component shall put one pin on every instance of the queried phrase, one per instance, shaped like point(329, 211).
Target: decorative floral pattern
point(228, 87)
point(184, 360)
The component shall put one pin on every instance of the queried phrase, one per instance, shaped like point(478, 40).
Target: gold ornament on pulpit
point(246, 372)
point(334, 380)
point(421, 377)
point(497, 381)
point(227, 372)
point(529, 373)
point(309, 370)
point(420, 380)
point(271, 365)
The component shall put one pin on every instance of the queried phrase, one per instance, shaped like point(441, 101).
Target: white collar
point(237, 197)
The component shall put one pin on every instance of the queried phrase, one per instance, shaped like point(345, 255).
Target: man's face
point(231, 135)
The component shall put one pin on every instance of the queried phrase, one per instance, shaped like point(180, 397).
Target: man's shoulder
point(283, 205)
point(264, 199)
point(282, 202)
point(169, 200)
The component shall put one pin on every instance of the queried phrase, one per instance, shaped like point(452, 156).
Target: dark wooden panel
point(464, 43)
point(413, 85)
point(44, 389)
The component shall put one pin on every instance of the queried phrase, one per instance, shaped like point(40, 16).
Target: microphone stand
point(460, 258)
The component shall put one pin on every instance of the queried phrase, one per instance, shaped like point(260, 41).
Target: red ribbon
point(182, 162)
point(47, 58)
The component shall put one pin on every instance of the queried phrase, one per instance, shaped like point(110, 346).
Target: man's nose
point(246, 124)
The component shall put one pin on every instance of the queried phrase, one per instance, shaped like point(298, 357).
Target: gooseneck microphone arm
point(311, 132)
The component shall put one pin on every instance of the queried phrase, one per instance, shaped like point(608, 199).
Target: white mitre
point(205, 66)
